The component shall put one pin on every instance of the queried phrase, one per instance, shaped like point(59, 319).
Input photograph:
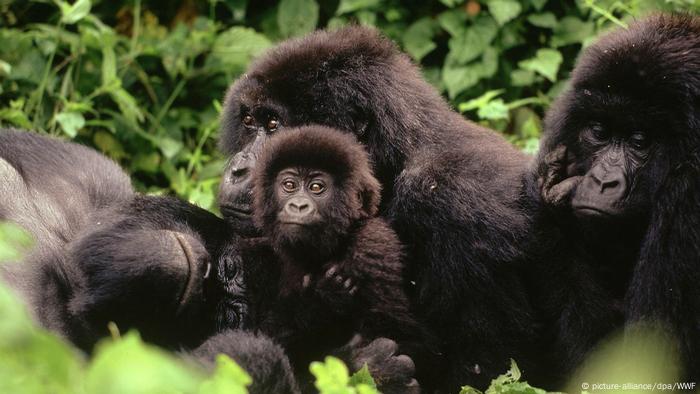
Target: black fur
point(451, 188)
point(345, 275)
point(104, 253)
point(640, 267)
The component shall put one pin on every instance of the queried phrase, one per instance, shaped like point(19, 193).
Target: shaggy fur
point(611, 274)
point(451, 188)
point(104, 253)
point(311, 321)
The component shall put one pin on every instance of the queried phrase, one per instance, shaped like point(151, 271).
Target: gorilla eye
point(317, 187)
point(598, 131)
point(639, 140)
point(289, 186)
point(248, 120)
point(272, 124)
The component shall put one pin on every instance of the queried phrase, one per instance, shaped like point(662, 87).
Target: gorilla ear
point(369, 198)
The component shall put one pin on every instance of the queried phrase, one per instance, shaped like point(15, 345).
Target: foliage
point(143, 83)
point(332, 377)
point(508, 383)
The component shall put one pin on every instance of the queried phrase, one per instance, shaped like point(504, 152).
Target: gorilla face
point(302, 196)
point(252, 118)
point(613, 185)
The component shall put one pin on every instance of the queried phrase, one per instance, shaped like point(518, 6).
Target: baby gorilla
point(340, 267)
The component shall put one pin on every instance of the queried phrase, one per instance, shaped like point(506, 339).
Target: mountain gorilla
point(104, 253)
point(453, 205)
point(341, 267)
point(619, 173)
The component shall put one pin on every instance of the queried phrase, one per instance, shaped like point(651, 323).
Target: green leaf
point(109, 65)
point(460, 78)
point(504, 11)
point(71, 14)
point(169, 146)
point(348, 6)
point(453, 21)
point(127, 104)
point(362, 377)
point(546, 63)
point(235, 48)
point(480, 101)
point(331, 376)
point(452, 3)
point(70, 122)
point(228, 378)
point(418, 38)
point(130, 366)
point(297, 17)
point(494, 110)
point(106, 143)
point(15, 242)
point(538, 4)
point(472, 43)
point(571, 30)
point(522, 77)
point(546, 20)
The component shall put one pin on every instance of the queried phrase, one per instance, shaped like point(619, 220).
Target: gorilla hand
point(556, 186)
point(393, 372)
point(337, 288)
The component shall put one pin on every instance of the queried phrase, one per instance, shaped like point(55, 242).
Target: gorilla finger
point(559, 194)
point(348, 284)
point(306, 282)
point(405, 364)
point(557, 156)
point(353, 290)
point(331, 271)
point(383, 346)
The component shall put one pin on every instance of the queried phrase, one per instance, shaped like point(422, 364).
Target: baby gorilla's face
point(303, 196)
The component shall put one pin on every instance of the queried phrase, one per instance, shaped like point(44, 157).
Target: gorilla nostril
point(611, 184)
point(237, 173)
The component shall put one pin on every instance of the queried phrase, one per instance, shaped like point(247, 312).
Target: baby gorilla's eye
point(289, 186)
point(272, 124)
point(248, 120)
point(317, 187)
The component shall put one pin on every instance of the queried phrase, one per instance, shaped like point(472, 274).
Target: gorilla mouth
point(243, 211)
point(294, 223)
point(587, 210)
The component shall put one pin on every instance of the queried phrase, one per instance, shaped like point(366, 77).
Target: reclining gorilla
point(104, 253)
point(157, 264)
point(455, 208)
point(619, 174)
point(339, 268)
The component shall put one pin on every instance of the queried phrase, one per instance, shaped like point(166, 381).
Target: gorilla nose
point(608, 183)
point(299, 207)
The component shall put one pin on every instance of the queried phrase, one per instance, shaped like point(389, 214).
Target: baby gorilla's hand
point(337, 288)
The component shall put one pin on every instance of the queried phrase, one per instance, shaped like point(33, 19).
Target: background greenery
point(142, 80)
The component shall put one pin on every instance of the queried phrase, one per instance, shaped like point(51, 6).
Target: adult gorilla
point(619, 173)
point(450, 200)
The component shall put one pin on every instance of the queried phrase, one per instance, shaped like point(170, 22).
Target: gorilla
point(618, 182)
point(457, 209)
point(104, 253)
point(175, 272)
point(340, 267)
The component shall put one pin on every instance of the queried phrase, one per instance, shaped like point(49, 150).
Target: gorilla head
point(346, 79)
point(310, 186)
point(629, 119)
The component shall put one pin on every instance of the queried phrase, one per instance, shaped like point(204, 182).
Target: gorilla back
point(453, 205)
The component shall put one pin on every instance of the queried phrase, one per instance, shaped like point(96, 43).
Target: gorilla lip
point(244, 211)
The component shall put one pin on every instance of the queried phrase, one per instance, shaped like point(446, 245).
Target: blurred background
point(143, 80)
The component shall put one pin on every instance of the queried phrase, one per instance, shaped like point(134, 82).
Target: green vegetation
point(143, 83)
